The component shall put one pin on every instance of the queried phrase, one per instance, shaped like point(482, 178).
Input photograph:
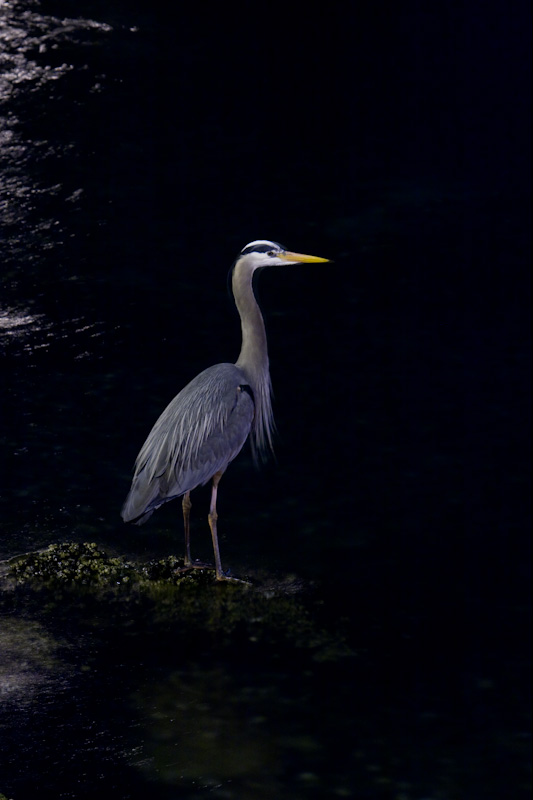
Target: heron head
point(264, 253)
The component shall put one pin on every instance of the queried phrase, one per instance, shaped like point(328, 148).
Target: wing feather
point(201, 430)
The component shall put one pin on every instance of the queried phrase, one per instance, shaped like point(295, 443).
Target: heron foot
point(221, 576)
point(228, 578)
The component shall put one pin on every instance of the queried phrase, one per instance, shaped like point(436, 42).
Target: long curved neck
point(253, 358)
point(254, 352)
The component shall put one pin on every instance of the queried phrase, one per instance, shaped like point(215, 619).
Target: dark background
point(393, 140)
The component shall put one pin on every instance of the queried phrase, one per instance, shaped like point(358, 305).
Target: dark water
point(139, 152)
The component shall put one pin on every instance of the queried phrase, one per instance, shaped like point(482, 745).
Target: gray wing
point(201, 430)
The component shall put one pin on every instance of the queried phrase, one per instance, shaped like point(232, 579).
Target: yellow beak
point(301, 258)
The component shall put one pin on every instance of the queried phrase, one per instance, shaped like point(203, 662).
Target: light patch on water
point(24, 31)
point(18, 323)
point(28, 659)
point(25, 35)
point(34, 332)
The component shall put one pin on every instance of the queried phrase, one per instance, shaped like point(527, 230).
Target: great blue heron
point(206, 425)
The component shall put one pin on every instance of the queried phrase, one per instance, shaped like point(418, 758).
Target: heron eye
point(271, 253)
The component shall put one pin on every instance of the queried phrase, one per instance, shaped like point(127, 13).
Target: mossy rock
point(158, 596)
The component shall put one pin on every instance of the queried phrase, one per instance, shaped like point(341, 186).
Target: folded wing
point(201, 430)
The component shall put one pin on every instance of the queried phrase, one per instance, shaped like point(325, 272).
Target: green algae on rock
point(71, 565)
point(82, 579)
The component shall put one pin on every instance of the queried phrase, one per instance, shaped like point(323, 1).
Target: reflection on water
point(208, 730)
point(29, 661)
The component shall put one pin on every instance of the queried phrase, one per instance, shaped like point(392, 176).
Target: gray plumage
point(201, 430)
point(206, 425)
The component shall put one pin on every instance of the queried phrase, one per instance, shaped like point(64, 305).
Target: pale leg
point(213, 516)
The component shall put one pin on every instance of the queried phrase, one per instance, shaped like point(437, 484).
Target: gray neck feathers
point(253, 358)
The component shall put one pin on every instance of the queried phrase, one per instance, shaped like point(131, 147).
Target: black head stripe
point(261, 246)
